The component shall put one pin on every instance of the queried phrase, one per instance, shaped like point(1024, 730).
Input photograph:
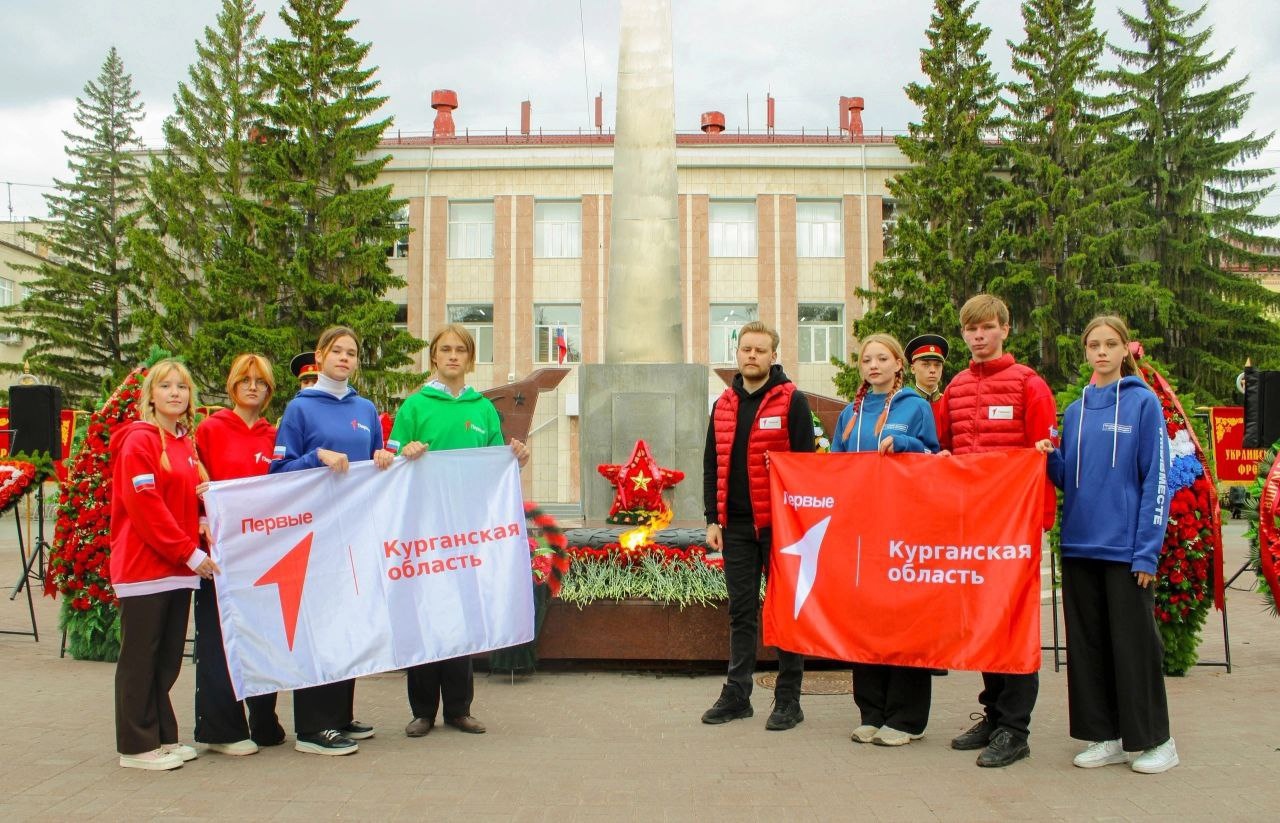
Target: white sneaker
point(888, 736)
point(157, 760)
point(1102, 753)
point(864, 734)
point(182, 750)
point(238, 748)
point(1160, 759)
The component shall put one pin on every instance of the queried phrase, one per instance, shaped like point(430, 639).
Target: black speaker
point(1261, 408)
point(35, 416)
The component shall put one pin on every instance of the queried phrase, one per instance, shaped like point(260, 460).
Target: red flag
point(562, 346)
point(911, 559)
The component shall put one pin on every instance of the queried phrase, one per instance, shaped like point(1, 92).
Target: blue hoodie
point(315, 419)
point(910, 423)
point(1115, 491)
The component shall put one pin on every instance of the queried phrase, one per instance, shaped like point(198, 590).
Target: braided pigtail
point(857, 409)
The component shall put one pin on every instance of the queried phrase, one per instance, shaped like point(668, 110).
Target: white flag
point(329, 576)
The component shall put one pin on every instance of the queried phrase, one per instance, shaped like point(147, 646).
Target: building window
point(557, 229)
point(732, 229)
point(726, 319)
point(821, 332)
point(7, 291)
point(557, 333)
point(818, 229)
point(478, 319)
point(470, 230)
point(401, 247)
point(889, 222)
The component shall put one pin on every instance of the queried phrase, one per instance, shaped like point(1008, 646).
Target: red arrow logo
point(289, 574)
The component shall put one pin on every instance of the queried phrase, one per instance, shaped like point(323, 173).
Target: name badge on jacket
point(770, 423)
point(999, 412)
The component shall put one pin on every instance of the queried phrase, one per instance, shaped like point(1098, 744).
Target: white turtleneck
point(338, 388)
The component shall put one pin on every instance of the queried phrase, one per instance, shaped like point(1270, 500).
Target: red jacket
point(231, 449)
point(998, 404)
point(154, 512)
point(775, 404)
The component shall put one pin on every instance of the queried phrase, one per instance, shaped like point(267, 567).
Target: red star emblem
point(639, 481)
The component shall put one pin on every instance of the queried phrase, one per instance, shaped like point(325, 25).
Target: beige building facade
point(511, 237)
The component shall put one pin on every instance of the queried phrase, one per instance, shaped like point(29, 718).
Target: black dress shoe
point(978, 736)
point(466, 723)
point(1005, 748)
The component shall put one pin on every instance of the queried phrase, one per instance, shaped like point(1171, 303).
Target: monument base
point(663, 404)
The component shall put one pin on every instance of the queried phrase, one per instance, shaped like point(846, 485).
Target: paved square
point(623, 746)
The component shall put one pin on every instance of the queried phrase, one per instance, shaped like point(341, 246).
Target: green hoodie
point(441, 421)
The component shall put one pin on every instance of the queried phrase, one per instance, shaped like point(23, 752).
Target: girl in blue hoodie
point(893, 701)
point(330, 425)
point(1112, 468)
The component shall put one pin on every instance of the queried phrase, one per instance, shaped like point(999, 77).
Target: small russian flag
point(278, 453)
point(393, 445)
point(144, 482)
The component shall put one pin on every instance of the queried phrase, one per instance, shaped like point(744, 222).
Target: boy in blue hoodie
point(1112, 470)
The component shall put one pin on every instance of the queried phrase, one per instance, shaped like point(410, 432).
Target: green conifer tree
point(324, 226)
point(1202, 227)
point(945, 243)
point(1070, 197)
point(207, 301)
point(79, 308)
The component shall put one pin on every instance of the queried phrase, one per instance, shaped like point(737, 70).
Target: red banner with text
point(908, 559)
point(1235, 463)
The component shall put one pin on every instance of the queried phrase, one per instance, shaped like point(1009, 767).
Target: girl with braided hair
point(886, 417)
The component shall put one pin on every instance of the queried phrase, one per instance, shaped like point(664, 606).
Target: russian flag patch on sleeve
point(144, 482)
point(393, 445)
point(278, 453)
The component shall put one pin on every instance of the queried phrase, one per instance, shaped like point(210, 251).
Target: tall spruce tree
point(1203, 229)
point(79, 308)
point(195, 247)
point(1070, 198)
point(945, 244)
point(323, 226)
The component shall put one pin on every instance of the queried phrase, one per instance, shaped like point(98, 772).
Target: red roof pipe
point(600, 112)
point(856, 105)
point(712, 122)
point(768, 100)
point(444, 101)
point(526, 115)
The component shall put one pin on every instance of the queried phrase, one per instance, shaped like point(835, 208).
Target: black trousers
point(1115, 684)
point(1008, 700)
point(895, 696)
point(331, 706)
point(450, 681)
point(219, 716)
point(153, 633)
point(746, 559)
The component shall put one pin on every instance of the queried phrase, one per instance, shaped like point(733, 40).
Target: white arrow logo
point(807, 548)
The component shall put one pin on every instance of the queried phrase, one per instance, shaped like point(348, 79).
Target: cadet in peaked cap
point(305, 369)
point(926, 353)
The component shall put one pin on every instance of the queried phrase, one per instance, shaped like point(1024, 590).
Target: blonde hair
point(242, 366)
point(983, 307)
point(186, 423)
point(895, 349)
point(758, 327)
point(1128, 366)
point(463, 334)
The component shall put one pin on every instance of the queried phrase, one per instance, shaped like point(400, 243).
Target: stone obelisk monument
point(644, 389)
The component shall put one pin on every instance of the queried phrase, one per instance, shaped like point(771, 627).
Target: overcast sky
point(557, 53)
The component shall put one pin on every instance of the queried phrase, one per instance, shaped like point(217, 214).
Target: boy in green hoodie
point(446, 414)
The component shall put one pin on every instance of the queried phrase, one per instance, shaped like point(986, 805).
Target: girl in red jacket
point(236, 442)
point(155, 560)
